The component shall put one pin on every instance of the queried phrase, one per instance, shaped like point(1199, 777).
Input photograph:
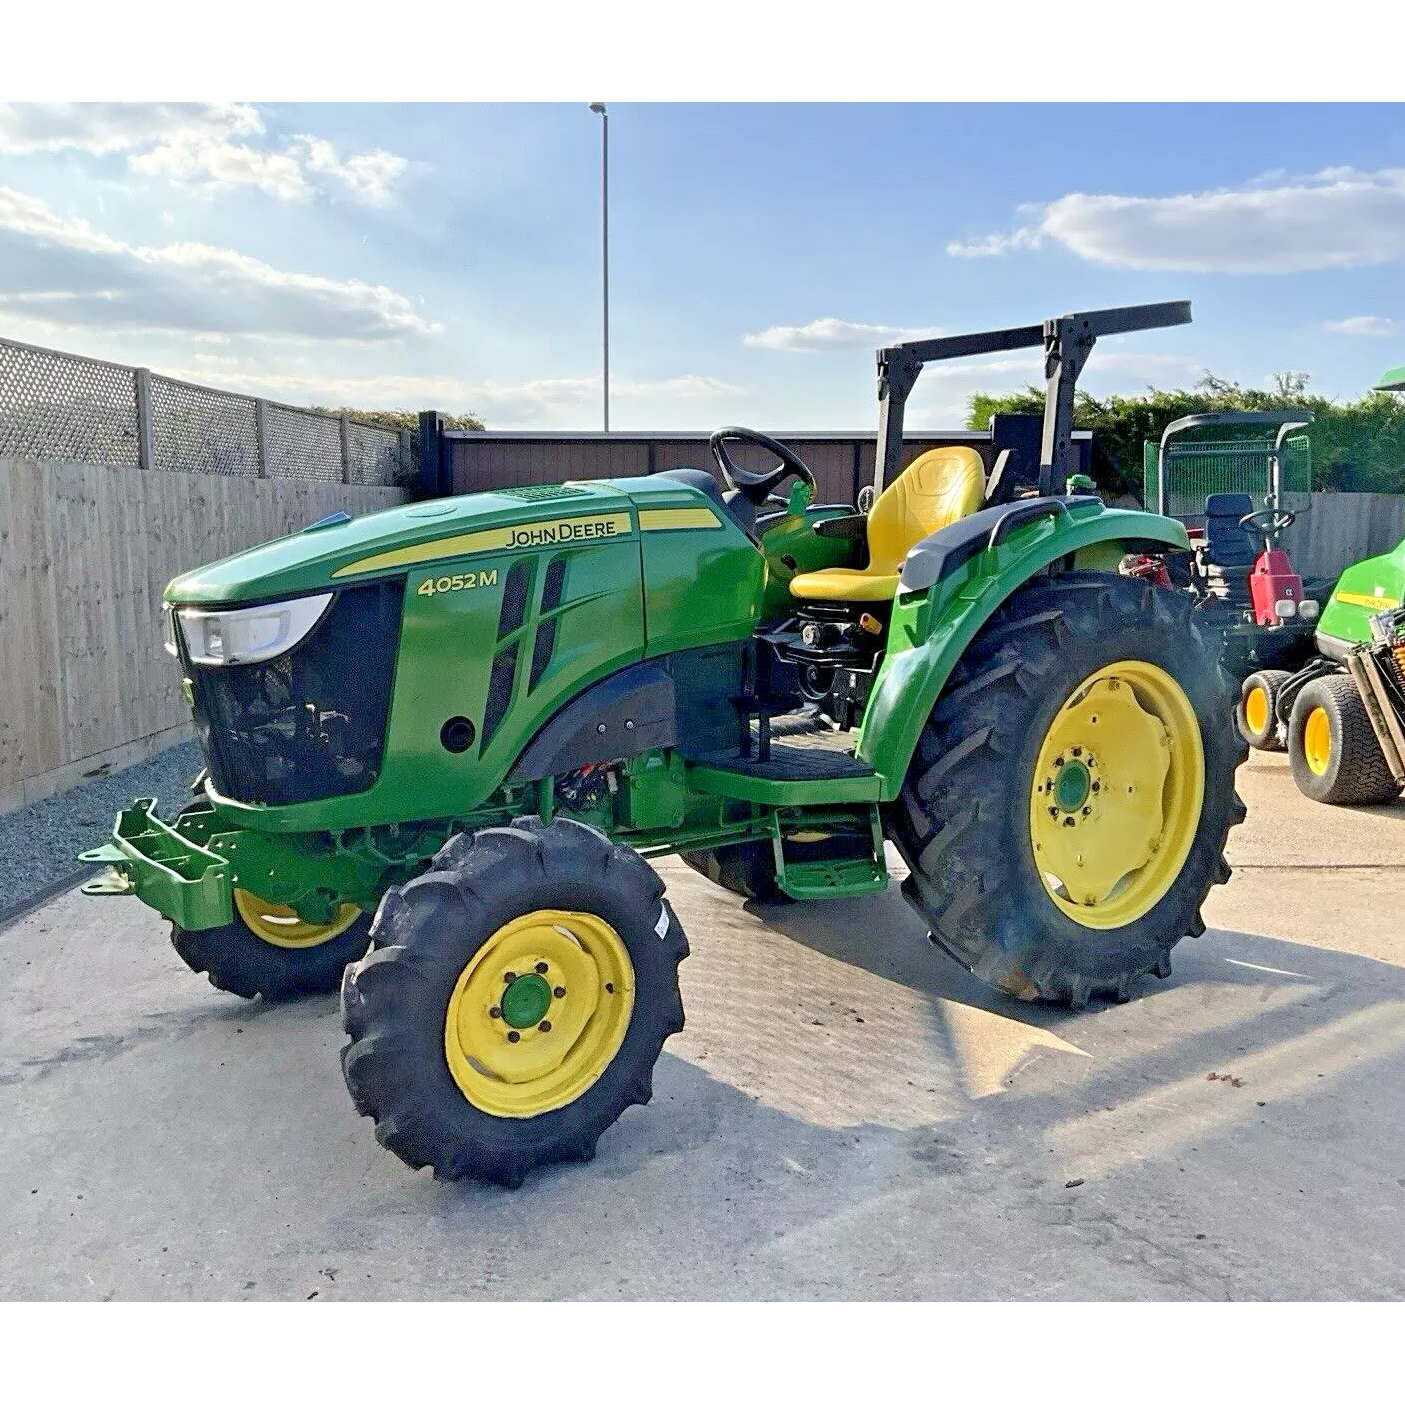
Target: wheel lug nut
point(609, 987)
point(541, 968)
point(545, 1026)
point(495, 1013)
point(513, 1036)
point(1087, 809)
point(559, 991)
point(508, 977)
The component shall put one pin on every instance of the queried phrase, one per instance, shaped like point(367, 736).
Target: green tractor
point(453, 732)
point(1341, 716)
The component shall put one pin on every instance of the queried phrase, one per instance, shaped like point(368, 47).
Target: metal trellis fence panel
point(301, 446)
point(203, 431)
point(373, 455)
point(54, 405)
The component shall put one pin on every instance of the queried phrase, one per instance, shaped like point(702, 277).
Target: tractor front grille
point(309, 724)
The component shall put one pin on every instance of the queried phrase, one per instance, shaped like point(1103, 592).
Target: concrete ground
point(847, 1115)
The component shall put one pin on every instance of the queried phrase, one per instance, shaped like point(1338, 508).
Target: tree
point(1357, 445)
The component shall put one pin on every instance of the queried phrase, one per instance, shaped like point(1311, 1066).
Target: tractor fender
point(954, 580)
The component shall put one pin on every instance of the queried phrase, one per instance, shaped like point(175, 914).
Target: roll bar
point(1286, 420)
point(1067, 342)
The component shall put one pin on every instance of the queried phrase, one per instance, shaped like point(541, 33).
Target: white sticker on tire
point(661, 926)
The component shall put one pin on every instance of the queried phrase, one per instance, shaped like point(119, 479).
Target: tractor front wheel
point(516, 1000)
point(269, 950)
point(1067, 810)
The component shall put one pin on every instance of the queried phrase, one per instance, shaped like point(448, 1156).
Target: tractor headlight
point(224, 637)
point(168, 630)
point(1308, 609)
point(1285, 609)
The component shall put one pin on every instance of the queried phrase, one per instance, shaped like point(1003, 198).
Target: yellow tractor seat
point(936, 489)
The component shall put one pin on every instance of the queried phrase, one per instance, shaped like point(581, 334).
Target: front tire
point(1332, 748)
point(1257, 711)
point(516, 1001)
point(269, 951)
point(1089, 717)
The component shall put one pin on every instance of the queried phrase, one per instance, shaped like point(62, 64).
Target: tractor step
point(851, 876)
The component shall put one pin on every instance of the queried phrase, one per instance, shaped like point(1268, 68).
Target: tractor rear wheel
point(1256, 713)
point(1067, 810)
point(1332, 749)
point(516, 1000)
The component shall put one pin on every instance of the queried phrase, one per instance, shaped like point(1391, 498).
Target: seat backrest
point(936, 489)
point(1230, 545)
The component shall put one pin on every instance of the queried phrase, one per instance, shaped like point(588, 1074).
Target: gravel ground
point(41, 842)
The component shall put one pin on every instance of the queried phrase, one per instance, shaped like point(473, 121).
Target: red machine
point(1272, 581)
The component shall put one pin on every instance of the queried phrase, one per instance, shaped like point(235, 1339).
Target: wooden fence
point(1335, 529)
point(85, 552)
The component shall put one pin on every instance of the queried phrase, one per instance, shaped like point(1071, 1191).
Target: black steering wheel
point(1268, 521)
point(757, 487)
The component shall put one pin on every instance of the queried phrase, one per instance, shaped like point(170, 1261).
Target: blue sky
point(448, 256)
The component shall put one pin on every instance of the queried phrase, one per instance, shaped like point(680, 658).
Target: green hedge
point(1357, 445)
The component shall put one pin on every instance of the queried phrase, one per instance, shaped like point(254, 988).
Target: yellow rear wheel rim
point(1256, 709)
point(1317, 741)
point(281, 926)
point(1116, 796)
point(539, 1013)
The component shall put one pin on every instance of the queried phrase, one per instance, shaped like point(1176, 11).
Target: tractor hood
point(341, 549)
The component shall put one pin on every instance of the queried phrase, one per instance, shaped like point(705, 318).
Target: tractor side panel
point(506, 654)
point(932, 628)
point(702, 585)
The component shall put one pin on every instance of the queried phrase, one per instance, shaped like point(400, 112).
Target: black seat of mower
point(738, 508)
point(1229, 549)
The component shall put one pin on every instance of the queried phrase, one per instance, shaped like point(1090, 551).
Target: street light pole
point(605, 245)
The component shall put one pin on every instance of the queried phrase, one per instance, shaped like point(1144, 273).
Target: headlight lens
point(168, 629)
point(218, 638)
point(1285, 609)
point(1308, 609)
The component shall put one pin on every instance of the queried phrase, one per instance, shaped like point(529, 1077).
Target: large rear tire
point(516, 1001)
point(1332, 748)
point(1091, 719)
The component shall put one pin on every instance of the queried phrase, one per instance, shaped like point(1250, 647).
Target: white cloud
point(64, 272)
point(211, 145)
point(1338, 218)
point(1369, 326)
point(369, 176)
point(830, 333)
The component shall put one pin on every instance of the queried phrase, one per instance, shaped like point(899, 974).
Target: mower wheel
point(1332, 749)
point(1256, 715)
point(1067, 809)
point(269, 951)
point(515, 1001)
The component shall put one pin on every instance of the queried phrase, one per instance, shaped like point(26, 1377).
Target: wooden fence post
point(406, 461)
point(261, 436)
point(146, 421)
point(345, 449)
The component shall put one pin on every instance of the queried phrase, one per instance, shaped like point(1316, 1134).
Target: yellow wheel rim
point(1317, 741)
point(539, 1013)
point(1256, 710)
point(1116, 796)
point(281, 926)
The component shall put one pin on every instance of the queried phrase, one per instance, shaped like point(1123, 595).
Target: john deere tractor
point(443, 740)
